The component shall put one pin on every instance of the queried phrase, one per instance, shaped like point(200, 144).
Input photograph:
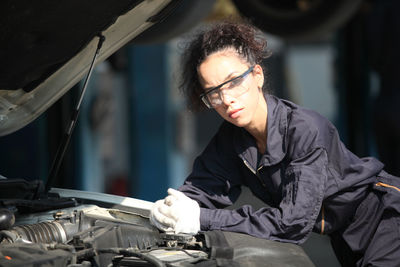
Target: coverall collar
point(245, 144)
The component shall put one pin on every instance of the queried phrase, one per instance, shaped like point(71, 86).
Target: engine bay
point(87, 235)
point(73, 228)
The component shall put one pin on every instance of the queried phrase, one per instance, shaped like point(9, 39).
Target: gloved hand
point(158, 219)
point(184, 211)
point(176, 212)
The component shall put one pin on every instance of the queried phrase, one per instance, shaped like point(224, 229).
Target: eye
point(236, 82)
point(213, 94)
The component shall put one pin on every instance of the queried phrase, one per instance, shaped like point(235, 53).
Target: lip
point(235, 113)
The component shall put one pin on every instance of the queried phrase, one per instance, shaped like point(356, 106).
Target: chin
point(239, 122)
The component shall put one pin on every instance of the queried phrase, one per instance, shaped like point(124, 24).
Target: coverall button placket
point(259, 176)
point(256, 173)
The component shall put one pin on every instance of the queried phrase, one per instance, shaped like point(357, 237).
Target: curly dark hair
point(244, 38)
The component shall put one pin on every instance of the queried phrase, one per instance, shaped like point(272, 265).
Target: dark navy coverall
point(309, 182)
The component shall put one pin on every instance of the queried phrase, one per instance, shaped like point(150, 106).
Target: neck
point(258, 127)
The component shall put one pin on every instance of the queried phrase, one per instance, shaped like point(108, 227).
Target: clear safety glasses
point(233, 87)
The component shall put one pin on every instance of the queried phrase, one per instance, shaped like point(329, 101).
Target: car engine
point(86, 235)
point(72, 228)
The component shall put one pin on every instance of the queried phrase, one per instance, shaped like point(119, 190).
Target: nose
point(227, 99)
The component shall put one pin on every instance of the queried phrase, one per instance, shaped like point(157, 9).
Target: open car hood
point(47, 47)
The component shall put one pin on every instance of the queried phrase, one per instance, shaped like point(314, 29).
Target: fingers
point(177, 194)
point(161, 226)
point(163, 214)
point(164, 220)
point(179, 228)
point(159, 216)
point(172, 212)
point(176, 212)
point(169, 200)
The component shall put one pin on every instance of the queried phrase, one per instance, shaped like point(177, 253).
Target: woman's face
point(243, 110)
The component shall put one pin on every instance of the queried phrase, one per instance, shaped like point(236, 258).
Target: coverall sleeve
point(215, 181)
point(210, 191)
point(302, 195)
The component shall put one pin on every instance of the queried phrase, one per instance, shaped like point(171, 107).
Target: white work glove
point(184, 211)
point(158, 219)
point(176, 212)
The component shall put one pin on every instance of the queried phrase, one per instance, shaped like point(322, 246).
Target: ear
point(258, 73)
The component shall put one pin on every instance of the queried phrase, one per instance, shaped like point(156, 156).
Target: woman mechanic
point(290, 157)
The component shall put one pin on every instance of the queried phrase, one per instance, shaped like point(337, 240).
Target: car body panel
point(20, 106)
